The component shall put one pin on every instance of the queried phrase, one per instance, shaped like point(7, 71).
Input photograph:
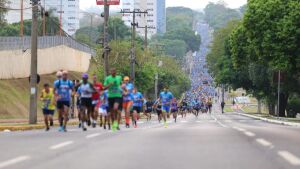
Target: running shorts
point(61, 104)
point(112, 101)
point(127, 104)
point(137, 109)
point(48, 112)
point(102, 111)
point(86, 102)
point(166, 109)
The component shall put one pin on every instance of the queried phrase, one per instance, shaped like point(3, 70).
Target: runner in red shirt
point(95, 97)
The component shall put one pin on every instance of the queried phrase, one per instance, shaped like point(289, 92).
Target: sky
point(194, 4)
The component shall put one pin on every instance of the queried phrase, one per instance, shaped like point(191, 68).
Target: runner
point(127, 99)
point(209, 105)
point(138, 99)
point(85, 91)
point(115, 100)
point(158, 108)
point(77, 85)
point(184, 109)
point(148, 109)
point(174, 109)
point(95, 97)
point(166, 98)
point(62, 89)
point(47, 97)
point(103, 109)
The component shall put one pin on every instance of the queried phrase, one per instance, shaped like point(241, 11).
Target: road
point(216, 141)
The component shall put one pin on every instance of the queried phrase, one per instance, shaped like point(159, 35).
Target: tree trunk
point(259, 106)
point(283, 104)
point(271, 108)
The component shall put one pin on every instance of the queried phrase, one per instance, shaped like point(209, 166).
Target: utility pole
point(133, 37)
point(33, 65)
point(146, 34)
point(91, 28)
point(278, 94)
point(105, 38)
point(60, 19)
point(44, 19)
point(22, 19)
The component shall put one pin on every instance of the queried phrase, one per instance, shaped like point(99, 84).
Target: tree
point(217, 15)
point(3, 3)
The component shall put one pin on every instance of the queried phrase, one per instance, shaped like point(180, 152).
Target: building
point(156, 17)
point(67, 9)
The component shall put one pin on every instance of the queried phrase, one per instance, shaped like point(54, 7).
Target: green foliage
point(170, 74)
point(293, 107)
point(217, 15)
point(52, 27)
point(250, 54)
point(3, 11)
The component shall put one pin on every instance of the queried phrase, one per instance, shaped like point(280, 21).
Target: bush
point(293, 107)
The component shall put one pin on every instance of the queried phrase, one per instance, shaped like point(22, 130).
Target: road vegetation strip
point(14, 161)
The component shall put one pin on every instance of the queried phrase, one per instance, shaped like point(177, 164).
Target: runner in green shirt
point(115, 100)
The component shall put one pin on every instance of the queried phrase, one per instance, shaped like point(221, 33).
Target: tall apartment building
point(155, 18)
point(68, 9)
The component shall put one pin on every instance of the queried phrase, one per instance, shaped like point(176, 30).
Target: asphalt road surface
point(216, 141)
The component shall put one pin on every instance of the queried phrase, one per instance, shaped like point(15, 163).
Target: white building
point(156, 17)
point(70, 12)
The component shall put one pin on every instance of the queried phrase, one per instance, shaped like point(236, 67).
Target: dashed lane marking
point(289, 157)
point(264, 142)
point(14, 161)
point(93, 135)
point(61, 145)
point(248, 133)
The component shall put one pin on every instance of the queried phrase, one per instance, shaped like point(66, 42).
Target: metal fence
point(24, 43)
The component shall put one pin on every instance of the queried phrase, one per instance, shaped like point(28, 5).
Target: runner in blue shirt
point(63, 89)
point(138, 100)
point(166, 97)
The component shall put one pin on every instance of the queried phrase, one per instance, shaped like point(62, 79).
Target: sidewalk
point(271, 119)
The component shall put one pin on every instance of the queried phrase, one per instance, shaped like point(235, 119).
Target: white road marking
point(289, 157)
point(14, 161)
point(248, 133)
point(228, 121)
point(239, 129)
point(183, 121)
point(140, 122)
point(57, 146)
point(263, 142)
point(199, 121)
point(93, 135)
point(221, 124)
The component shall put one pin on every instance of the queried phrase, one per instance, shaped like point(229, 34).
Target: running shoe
point(79, 125)
point(65, 129)
point(94, 125)
point(104, 127)
point(89, 122)
point(166, 125)
point(51, 122)
point(47, 129)
point(61, 129)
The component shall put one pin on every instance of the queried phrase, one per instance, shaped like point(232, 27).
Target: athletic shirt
point(128, 97)
point(63, 88)
point(114, 91)
point(104, 100)
point(85, 90)
point(149, 105)
point(174, 105)
point(98, 87)
point(137, 99)
point(166, 98)
point(48, 99)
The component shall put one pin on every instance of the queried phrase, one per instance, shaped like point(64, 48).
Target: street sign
point(109, 2)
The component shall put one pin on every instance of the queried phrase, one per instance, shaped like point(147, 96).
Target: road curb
point(28, 127)
point(270, 120)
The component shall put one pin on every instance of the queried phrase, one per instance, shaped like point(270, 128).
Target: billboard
point(109, 2)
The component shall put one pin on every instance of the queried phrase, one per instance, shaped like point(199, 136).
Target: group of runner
point(102, 102)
